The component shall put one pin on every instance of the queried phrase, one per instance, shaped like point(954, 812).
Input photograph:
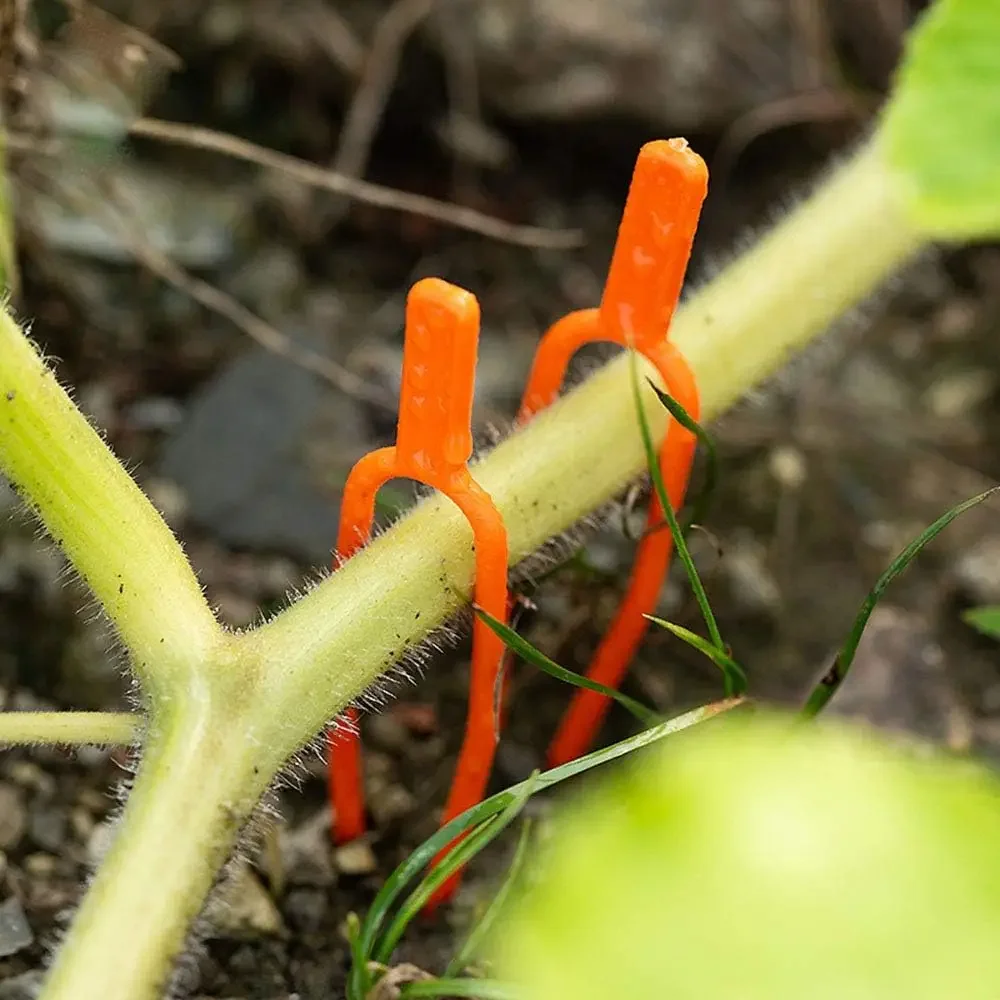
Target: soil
point(827, 472)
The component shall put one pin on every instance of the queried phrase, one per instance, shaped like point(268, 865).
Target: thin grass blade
point(683, 553)
point(831, 681)
point(413, 865)
point(485, 924)
point(734, 676)
point(459, 855)
point(483, 989)
point(701, 504)
point(519, 645)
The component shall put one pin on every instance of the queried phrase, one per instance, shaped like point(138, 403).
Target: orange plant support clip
point(644, 282)
point(433, 446)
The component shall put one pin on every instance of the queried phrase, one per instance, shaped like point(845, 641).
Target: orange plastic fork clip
point(644, 282)
point(433, 446)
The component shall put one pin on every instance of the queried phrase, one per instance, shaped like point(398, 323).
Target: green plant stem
point(195, 788)
point(70, 728)
point(98, 515)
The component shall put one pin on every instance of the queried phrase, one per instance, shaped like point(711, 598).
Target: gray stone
point(15, 932)
point(238, 458)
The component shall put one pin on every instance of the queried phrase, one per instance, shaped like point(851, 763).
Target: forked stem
point(209, 754)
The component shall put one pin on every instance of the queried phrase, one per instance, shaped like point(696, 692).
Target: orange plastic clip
point(433, 446)
point(644, 282)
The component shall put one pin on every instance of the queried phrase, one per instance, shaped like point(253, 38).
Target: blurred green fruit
point(761, 859)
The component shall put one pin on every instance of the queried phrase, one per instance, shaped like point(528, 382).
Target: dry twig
point(373, 194)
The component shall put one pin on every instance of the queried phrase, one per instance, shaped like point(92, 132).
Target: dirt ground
point(827, 472)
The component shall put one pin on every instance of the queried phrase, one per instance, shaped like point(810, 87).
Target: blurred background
point(232, 319)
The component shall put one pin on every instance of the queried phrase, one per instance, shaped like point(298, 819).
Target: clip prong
point(640, 295)
point(433, 446)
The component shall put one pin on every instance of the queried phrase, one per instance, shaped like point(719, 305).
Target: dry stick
point(378, 76)
point(372, 194)
point(225, 305)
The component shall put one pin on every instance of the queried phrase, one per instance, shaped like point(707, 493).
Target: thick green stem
point(99, 516)
point(195, 788)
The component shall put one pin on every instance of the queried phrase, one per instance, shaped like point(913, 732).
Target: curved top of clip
point(434, 433)
point(657, 229)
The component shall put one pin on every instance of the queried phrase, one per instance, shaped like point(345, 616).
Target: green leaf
point(764, 859)
point(736, 678)
point(985, 619)
point(941, 129)
point(831, 681)
point(536, 658)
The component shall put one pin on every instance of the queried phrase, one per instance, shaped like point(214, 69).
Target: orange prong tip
point(644, 282)
point(654, 243)
point(433, 445)
point(434, 434)
point(646, 273)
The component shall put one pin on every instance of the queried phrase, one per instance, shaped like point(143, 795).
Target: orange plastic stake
point(644, 282)
point(433, 446)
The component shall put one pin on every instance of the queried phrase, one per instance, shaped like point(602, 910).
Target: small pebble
point(977, 571)
point(306, 852)
point(391, 803)
point(960, 393)
point(15, 932)
point(82, 824)
point(99, 842)
point(356, 858)
point(28, 774)
point(40, 865)
point(243, 908)
point(12, 816)
point(48, 828)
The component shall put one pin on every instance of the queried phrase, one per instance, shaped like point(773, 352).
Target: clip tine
point(654, 243)
point(644, 281)
point(433, 446)
point(434, 434)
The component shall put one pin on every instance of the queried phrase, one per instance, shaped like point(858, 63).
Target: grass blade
point(831, 681)
point(653, 463)
point(484, 989)
point(484, 925)
point(413, 865)
point(985, 619)
point(734, 676)
point(458, 856)
point(536, 658)
point(701, 504)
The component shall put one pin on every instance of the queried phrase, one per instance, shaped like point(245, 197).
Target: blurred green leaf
point(985, 619)
point(942, 125)
point(765, 859)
